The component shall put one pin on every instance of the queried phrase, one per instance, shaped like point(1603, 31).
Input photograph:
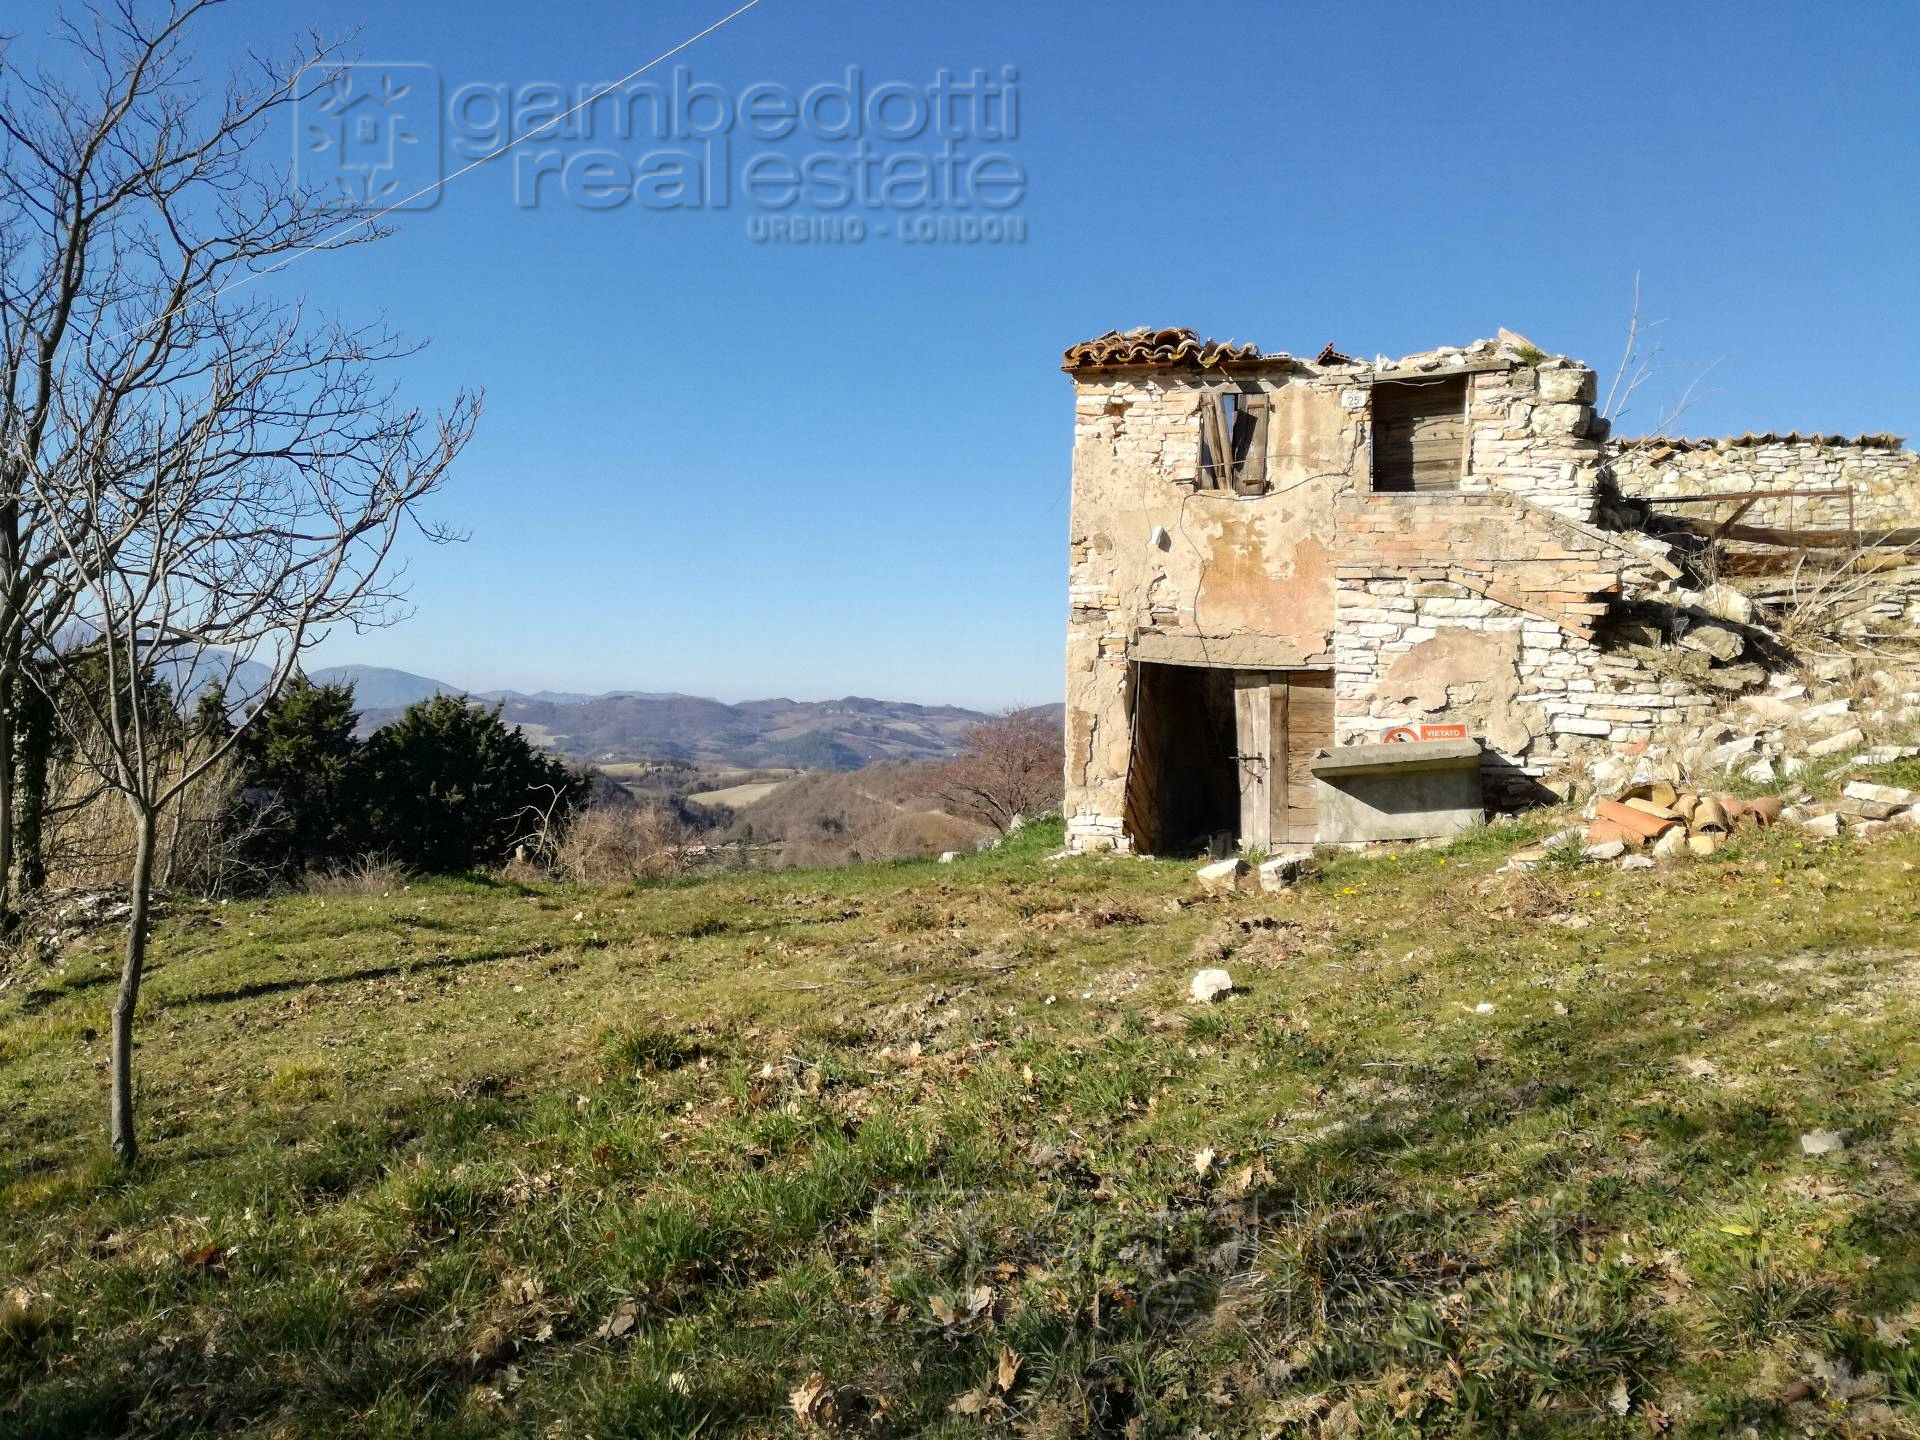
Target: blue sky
point(746, 469)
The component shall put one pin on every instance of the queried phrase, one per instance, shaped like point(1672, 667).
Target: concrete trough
point(1418, 790)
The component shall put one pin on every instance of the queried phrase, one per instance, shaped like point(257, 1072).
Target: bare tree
point(196, 479)
point(1640, 361)
point(1013, 767)
point(134, 207)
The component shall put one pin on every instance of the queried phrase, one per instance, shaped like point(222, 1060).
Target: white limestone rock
point(1282, 870)
point(1210, 986)
point(1890, 795)
point(1838, 744)
point(1223, 877)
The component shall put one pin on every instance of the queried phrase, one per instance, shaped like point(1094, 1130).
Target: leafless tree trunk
point(196, 479)
point(126, 1147)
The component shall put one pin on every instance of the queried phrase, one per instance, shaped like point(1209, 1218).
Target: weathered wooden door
point(1280, 718)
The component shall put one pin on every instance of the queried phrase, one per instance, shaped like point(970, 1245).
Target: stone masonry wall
point(1482, 609)
point(1883, 477)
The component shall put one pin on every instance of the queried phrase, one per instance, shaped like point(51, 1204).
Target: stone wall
point(1882, 477)
point(1484, 609)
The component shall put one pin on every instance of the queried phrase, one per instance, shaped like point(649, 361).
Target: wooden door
point(1309, 728)
point(1281, 717)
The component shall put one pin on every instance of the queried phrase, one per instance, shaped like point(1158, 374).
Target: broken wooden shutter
point(1419, 435)
point(1250, 444)
point(1233, 442)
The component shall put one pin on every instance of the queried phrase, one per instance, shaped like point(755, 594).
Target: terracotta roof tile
point(1172, 349)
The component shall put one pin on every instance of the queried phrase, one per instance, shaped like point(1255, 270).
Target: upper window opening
point(1419, 435)
point(1233, 442)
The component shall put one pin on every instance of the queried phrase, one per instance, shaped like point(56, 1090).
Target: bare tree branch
point(194, 482)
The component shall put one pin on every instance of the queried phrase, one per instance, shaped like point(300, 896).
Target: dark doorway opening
point(1183, 779)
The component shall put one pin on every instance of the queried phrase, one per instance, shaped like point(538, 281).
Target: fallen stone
point(1822, 1142)
point(1788, 688)
point(1723, 602)
point(1880, 794)
point(1723, 756)
point(1606, 850)
point(1761, 772)
point(1835, 668)
point(1282, 870)
point(1865, 809)
point(1672, 845)
point(1770, 709)
point(1223, 877)
point(1826, 826)
point(1209, 986)
point(1734, 678)
point(947, 857)
point(1831, 710)
point(1637, 862)
point(1703, 844)
point(1792, 766)
point(1851, 739)
point(1711, 637)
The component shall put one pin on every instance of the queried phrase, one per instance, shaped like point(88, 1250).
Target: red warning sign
point(1402, 734)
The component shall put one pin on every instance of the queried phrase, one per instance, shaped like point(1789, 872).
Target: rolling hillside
point(828, 734)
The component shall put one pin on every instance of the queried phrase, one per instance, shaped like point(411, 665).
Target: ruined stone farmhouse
point(1280, 567)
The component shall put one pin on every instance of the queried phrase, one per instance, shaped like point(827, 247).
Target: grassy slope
point(906, 1126)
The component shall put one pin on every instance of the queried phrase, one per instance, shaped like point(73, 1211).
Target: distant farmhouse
point(1281, 567)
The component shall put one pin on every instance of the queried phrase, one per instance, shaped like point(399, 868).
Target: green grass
point(477, 1158)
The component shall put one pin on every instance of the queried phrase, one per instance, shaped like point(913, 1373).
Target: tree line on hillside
point(444, 788)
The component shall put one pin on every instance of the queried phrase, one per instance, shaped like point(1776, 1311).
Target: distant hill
point(378, 688)
point(633, 725)
point(573, 697)
point(813, 735)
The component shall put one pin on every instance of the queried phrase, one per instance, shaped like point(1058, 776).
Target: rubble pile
point(1771, 736)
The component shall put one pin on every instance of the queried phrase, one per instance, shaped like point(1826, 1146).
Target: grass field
point(941, 1149)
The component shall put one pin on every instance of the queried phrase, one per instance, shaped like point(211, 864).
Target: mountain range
point(632, 725)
